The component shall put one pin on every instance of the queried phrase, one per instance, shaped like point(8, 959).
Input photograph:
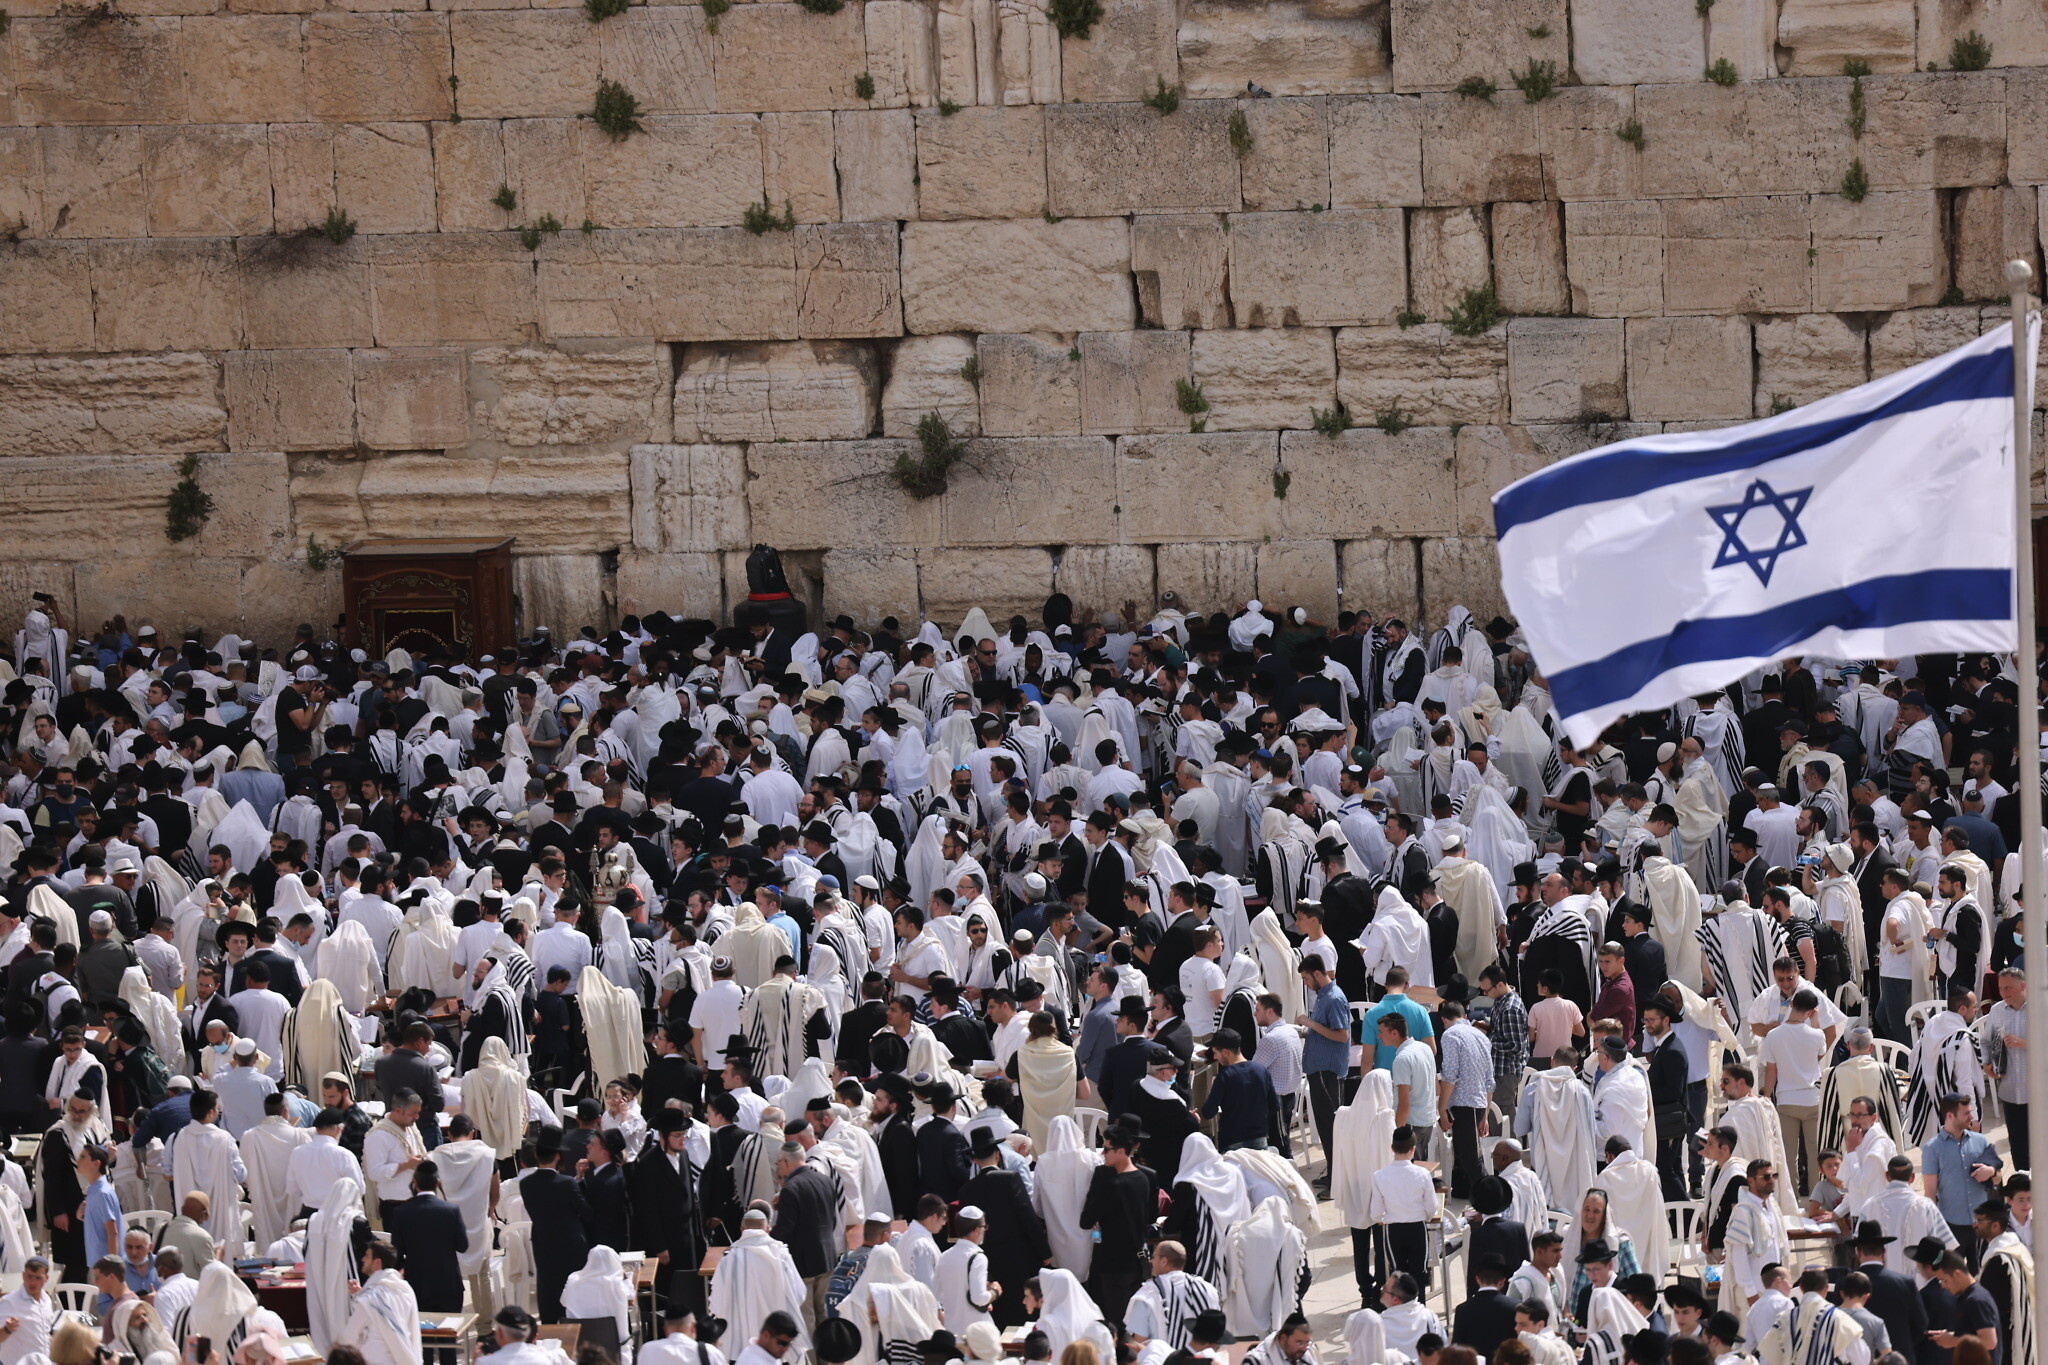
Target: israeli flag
point(1875, 523)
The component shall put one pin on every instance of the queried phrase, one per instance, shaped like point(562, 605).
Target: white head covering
point(599, 1289)
point(157, 1015)
point(1220, 1184)
point(349, 960)
point(331, 1261)
point(1065, 1169)
point(494, 1095)
point(220, 1306)
point(1070, 1314)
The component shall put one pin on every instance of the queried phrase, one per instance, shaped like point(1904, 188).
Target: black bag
point(1830, 958)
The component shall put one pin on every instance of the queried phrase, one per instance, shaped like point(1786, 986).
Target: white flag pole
point(2018, 275)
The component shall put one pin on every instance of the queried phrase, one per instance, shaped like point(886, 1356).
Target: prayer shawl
point(1907, 1216)
point(1977, 881)
point(753, 1161)
point(1071, 1315)
point(1947, 918)
point(1852, 1078)
point(859, 1145)
point(1397, 937)
point(204, 1159)
point(1045, 1081)
point(2006, 1251)
point(348, 959)
point(1815, 1332)
point(599, 1290)
point(17, 1240)
point(1913, 923)
point(1286, 861)
point(1221, 1203)
point(1269, 1175)
point(1266, 1256)
point(1228, 916)
point(466, 1169)
point(320, 1035)
point(494, 1096)
point(222, 1309)
point(1610, 1320)
point(423, 952)
point(156, 1014)
point(1498, 840)
point(1838, 902)
point(1946, 1061)
point(43, 903)
point(1233, 830)
point(1365, 1340)
point(1702, 806)
point(511, 1004)
point(1758, 1133)
point(757, 1278)
point(1635, 1204)
point(1277, 962)
point(1065, 1169)
point(1562, 1144)
point(1563, 933)
point(1621, 1106)
point(618, 955)
point(775, 1019)
point(1532, 1202)
point(1170, 1303)
point(905, 1311)
point(611, 1022)
point(245, 834)
point(1720, 738)
point(1863, 1170)
point(331, 1261)
point(754, 945)
point(386, 1311)
point(1739, 944)
point(266, 1153)
point(1674, 918)
point(1469, 888)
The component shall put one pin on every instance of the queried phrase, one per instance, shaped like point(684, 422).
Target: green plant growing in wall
point(1240, 133)
point(761, 217)
point(1475, 88)
point(337, 227)
point(1074, 18)
point(712, 10)
point(922, 472)
point(1702, 7)
point(1631, 132)
point(1855, 182)
point(1165, 99)
point(1538, 82)
point(189, 505)
point(1407, 318)
point(1189, 398)
point(1970, 52)
point(1539, 33)
point(864, 86)
point(1952, 297)
point(597, 11)
point(1392, 420)
point(1281, 480)
point(506, 198)
point(616, 111)
point(970, 369)
point(1859, 112)
point(1476, 312)
point(320, 558)
point(1723, 72)
point(1330, 422)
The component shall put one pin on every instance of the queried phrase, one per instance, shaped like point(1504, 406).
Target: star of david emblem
point(1774, 531)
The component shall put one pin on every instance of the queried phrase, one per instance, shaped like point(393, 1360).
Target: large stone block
point(1682, 369)
point(986, 162)
point(871, 584)
point(1799, 359)
point(305, 291)
point(92, 182)
point(1447, 255)
point(469, 165)
point(1745, 34)
point(520, 63)
point(1736, 255)
point(2017, 33)
point(1935, 131)
point(160, 587)
point(211, 181)
point(1288, 166)
point(1491, 458)
point(902, 52)
point(46, 296)
point(663, 55)
point(562, 592)
point(1128, 158)
point(792, 391)
point(1309, 269)
point(687, 170)
point(1528, 258)
point(290, 400)
point(877, 163)
point(1213, 486)
point(1881, 254)
point(1822, 34)
point(847, 281)
point(1102, 577)
point(278, 594)
point(1368, 481)
point(797, 166)
point(1029, 53)
point(90, 70)
point(411, 399)
point(1209, 577)
point(1907, 338)
point(1132, 48)
point(243, 68)
point(1024, 275)
point(1375, 151)
point(1582, 156)
point(168, 295)
point(1615, 257)
point(683, 585)
point(424, 494)
point(20, 580)
point(1763, 137)
point(829, 494)
point(692, 284)
point(110, 404)
point(689, 497)
point(525, 396)
point(1428, 372)
point(927, 375)
point(454, 287)
point(302, 174)
point(1991, 227)
point(2026, 126)
point(384, 176)
point(1461, 571)
point(1636, 42)
point(544, 168)
point(1030, 385)
point(1182, 264)
point(21, 186)
point(1003, 583)
point(379, 66)
point(1295, 47)
point(1476, 151)
point(1436, 46)
point(1128, 381)
point(1566, 370)
point(968, 63)
point(774, 58)
point(1039, 490)
point(1265, 379)
point(1299, 573)
point(1378, 577)
point(251, 516)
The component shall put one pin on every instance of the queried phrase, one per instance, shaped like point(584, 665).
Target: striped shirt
point(1280, 1053)
point(1508, 1029)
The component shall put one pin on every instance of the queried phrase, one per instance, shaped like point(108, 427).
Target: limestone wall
point(962, 213)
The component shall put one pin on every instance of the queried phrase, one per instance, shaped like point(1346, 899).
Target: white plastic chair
point(1090, 1121)
point(150, 1221)
point(1683, 1222)
point(1918, 1015)
point(74, 1298)
point(1897, 1056)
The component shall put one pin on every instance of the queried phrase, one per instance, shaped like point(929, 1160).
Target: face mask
point(221, 1048)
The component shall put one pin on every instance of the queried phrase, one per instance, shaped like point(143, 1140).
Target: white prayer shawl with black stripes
point(1946, 1061)
point(1165, 1307)
point(2017, 1259)
point(1721, 740)
point(775, 1019)
point(1815, 1332)
point(1739, 945)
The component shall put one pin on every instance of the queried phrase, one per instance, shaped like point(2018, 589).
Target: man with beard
point(62, 1194)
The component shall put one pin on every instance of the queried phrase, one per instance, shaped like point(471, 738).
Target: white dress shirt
point(314, 1167)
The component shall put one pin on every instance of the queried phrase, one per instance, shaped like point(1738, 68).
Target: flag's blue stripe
point(1875, 603)
point(1629, 471)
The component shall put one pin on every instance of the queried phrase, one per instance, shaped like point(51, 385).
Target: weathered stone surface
point(243, 68)
point(847, 281)
point(1934, 131)
point(1447, 255)
point(2018, 33)
point(2026, 126)
point(1128, 381)
point(1764, 137)
point(1475, 151)
point(304, 291)
point(1214, 486)
point(1615, 255)
point(21, 185)
point(1566, 369)
point(1491, 458)
point(1029, 53)
point(46, 296)
point(1366, 480)
point(109, 404)
point(1436, 46)
point(869, 584)
point(1682, 369)
point(981, 163)
point(834, 494)
point(1378, 576)
point(1106, 576)
point(522, 63)
point(1269, 378)
point(1799, 359)
point(1582, 156)
point(290, 400)
point(384, 176)
point(663, 55)
point(524, 396)
point(1745, 34)
point(1461, 571)
point(1299, 573)
point(1308, 269)
point(455, 287)
point(544, 168)
point(797, 168)
point(156, 296)
point(1991, 227)
point(1528, 258)
point(925, 376)
point(775, 58)
point(693, 284)
point(302, 174)
point(1904, 339)
point(411, 399)
point(1630, 42)
point(1182, 264)
point(1375, 151)
point(1209, 577)
point(877, 163)
point(793, 391)
point(689, 498)
point(683, 585)
point(1126, 158)
point(562, 592)
point(251, 518)
point(378, 66)
point(80, 70)
point(1291, 48)
point(1030, 385)
point(469, 165)
point(1019, 276)
point(1133, 46)
point(1288, 166)
point(1001, 582)
point(406, 494)
point(1736, 255)
point(1031, 491)
point(686, 170)
point(91, 182)
point(211, 181)
point(967, 31)
point(1822, 34)
point(1431, 374)
point(196, 592)
point(902, 52)
point(1883, 253)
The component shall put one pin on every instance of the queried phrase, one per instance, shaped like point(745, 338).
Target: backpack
point(1830, 958)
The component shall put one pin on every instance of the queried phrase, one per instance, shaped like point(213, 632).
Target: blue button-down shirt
point(1949, 1161)
point(102, 1206)
point(1319, 1054)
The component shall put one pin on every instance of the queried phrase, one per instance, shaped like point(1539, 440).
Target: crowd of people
point(1035, 992)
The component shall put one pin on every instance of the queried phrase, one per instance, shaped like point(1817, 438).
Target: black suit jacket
point(1668, 1072)
point(430, 1233)
point(1411, 869)
point(1484, 1321)
point(942, 1164)
point(610, 1206)
point(408, 1070)
point(1895, 1298)
point(1646, 970)
point(1113, 868)
point(1122, 1069)
point(555, 1202)
point(898, 1149)
point(665, 1209)
point(1501, 1235)
point(674, 1077)
point(806, 1221)
point(1177, 1038)
point(1016, 1243)
point(1073, 866)
point(284, 974)
point(1870, 888)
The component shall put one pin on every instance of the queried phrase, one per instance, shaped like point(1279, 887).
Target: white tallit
point(611, 1020)
point(1562, 1142)
point(494, 1096)
point(1065, 1169)
point(1362, 1142)
point(1674, 918)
